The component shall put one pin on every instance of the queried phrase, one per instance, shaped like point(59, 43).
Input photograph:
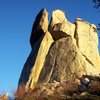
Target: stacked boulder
point(61, 50)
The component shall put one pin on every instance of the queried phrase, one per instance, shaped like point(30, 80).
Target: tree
point(97, 3)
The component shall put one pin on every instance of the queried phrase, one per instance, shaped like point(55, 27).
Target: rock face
point(63, 62)
point(34, 62)
point(40, 26)
point(39, 63)
point(61, 50)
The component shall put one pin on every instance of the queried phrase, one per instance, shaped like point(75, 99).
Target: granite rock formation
point(61, 50)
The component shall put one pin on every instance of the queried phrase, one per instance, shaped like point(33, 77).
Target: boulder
point(59, 26)
point(58, 16)
point(78, 19)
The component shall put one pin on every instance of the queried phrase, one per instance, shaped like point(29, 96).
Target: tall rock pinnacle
point(40, 26)
point(61, 50)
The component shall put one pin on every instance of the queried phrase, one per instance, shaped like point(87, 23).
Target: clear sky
point(16, 19)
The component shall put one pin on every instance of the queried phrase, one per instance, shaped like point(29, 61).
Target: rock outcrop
point(61, 50)
point(39, 63)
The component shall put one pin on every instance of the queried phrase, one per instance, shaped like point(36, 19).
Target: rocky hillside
point(61, 50)
point(87, 88)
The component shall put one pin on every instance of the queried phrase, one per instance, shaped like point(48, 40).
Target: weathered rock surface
point(63, 51)
point(58, 16)
point(59, 26)
point(87, 42)
point(63, 62)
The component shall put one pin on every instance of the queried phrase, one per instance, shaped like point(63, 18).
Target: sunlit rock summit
point(61, 50)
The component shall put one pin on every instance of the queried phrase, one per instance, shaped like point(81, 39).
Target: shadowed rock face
point(63, 51)
point(40, 26)
point(29, 63)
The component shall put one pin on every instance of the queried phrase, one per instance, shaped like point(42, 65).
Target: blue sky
point(16, 19)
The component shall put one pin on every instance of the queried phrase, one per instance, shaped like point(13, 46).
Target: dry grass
point(67, 90)
point(48, 91)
